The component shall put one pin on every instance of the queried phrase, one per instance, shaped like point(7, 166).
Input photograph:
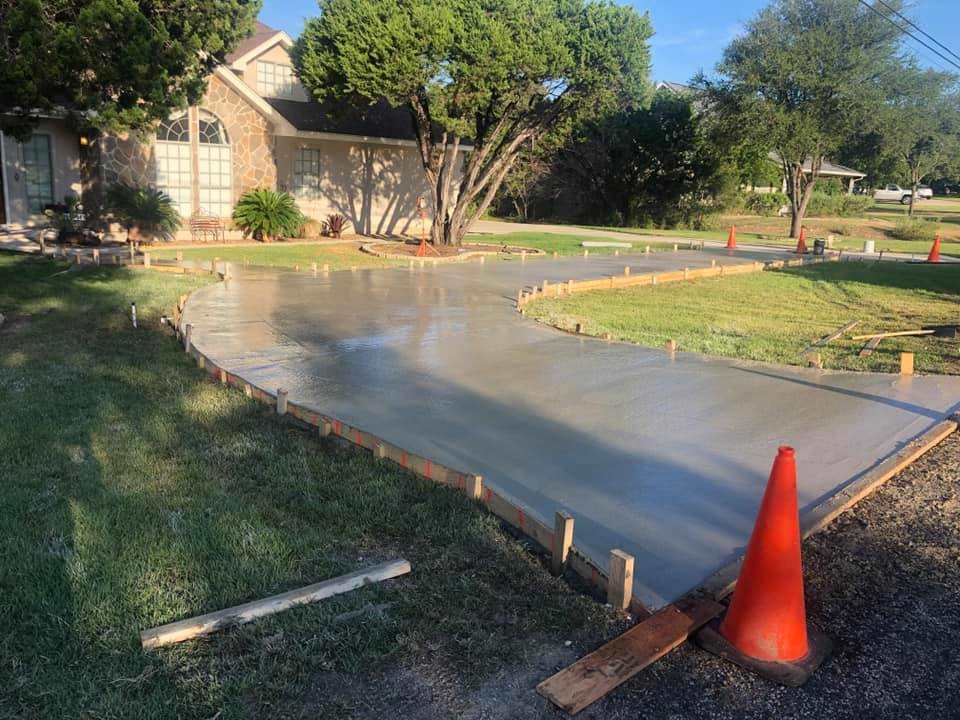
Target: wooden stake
point(96, 256)
point(473, 486)
point(646, 250)
point(223, 376)
point(240, 614)
point(671, 346)
point(906, 363)
point(187, 338)
point(326, 268)
point(626, 270)
point(562, 540)
point(674, 247)
point(586, 253)
point(179, 256)
point(620, 587)
point(578, 328)
point(325, 429)
point(146, 260)
point(281, 401)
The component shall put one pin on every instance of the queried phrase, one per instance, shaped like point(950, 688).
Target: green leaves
point(112, 63)
point(147, 209)
point(266, 214)
point(474, 60)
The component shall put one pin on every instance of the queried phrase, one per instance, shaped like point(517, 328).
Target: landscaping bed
point(772, 316)
point(138, 492)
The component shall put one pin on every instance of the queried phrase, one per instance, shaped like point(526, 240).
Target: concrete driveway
point(664, 458)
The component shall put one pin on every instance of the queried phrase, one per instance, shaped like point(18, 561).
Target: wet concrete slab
point(665, 458)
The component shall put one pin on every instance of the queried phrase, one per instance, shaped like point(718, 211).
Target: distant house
point(848, 176)
point(254, 127)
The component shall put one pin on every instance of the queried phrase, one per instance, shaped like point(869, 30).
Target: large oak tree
point(804, 77)
point(491, 74)
point(111, 63)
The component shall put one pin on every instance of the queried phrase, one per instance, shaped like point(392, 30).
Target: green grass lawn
point(555, 242)
point(841, 242)
point(340, 256)
point(773, 315)
point(136, 492)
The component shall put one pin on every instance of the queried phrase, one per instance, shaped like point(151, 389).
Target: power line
point(909, 34)
point(916, 27)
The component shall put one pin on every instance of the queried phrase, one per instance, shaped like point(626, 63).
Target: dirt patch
point(14, 323)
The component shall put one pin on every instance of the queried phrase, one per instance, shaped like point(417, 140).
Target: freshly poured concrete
point(663, 458)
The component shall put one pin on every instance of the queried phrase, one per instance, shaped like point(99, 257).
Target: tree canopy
point(112, 63)
point(802, 80)
point(494, 74)
point(919, 125)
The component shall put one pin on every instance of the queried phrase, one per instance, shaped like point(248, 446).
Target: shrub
point(335, 224)
point(766, 204)
point(311, 229)
point(710, 221)
point(267, 214)
point(827, 205)
point(918, 229)
point(146, 212)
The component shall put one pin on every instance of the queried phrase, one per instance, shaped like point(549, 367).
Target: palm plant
point(266, 214)
point(146, 212)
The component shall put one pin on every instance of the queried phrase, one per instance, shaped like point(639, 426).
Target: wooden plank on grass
point(831, 337)
point(900, 333)
point(212, 622)
point(870, 346)
point(593, 676)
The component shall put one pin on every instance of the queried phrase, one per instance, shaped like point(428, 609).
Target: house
point(254, 127)
point(848, 176)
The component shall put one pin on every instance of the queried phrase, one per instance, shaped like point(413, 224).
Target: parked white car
point(924, 192)
point(893, 193)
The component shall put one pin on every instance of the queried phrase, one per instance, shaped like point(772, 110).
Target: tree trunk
point(800, 190)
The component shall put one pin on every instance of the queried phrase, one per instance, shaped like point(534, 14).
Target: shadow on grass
point(138, 493)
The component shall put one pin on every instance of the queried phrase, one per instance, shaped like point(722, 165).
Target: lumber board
point(831, 337)
point(238, 615)
point(870, 346)
point(596, 674)
point(899, 333)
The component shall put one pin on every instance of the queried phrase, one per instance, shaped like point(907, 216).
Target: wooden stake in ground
point(593, 676)
point(240, 614)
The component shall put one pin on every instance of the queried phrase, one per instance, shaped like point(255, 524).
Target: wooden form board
point(240, 614)
point(831, 337)
point(596, 674)
point(870, 346)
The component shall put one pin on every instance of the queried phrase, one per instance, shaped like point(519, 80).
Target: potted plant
point(146, 212)
point(266, 215)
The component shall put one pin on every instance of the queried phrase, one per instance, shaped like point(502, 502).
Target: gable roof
point(827, 168)
point(678, 88)
point(261, 34)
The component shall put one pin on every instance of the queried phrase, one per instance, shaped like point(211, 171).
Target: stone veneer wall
point(130, 158)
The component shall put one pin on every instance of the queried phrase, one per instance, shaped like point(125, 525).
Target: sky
point(690, 34)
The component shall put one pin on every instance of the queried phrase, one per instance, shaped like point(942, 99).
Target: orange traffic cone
point(802, 242)
point(765, 628)
point(934, 256)
point(732, 238)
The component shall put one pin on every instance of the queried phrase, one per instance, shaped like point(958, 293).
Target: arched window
point(216, 171)
point(174, 162)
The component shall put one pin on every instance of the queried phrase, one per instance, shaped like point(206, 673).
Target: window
point(175, 173)
point(38, 172)
point(216, 168)
point(276, 80)
point(174, 163)
point(306, 174)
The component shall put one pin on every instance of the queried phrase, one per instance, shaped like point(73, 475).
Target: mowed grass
point(560, 243)
point(773, 315)
point(339, 256)
point(136, 492)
